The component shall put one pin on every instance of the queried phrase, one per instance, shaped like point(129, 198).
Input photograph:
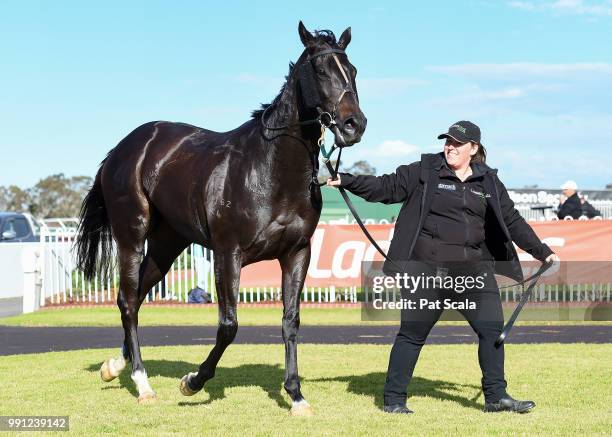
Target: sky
point(536, 76)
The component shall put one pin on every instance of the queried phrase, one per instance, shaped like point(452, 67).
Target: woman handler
point(455, 210)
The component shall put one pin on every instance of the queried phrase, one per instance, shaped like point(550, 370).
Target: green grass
point(570, 384)
point(188, 315)
point(207, 315)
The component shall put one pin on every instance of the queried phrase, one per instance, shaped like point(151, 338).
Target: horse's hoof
point(105, 372)
point(184, 387)
point(147, 398)
point(301, 410)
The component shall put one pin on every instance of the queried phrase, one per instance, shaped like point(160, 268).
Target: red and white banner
point(338, 250)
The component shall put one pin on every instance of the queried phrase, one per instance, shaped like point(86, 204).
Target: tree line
point(53, 196)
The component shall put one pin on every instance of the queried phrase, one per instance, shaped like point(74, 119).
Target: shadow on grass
point(372, 384)
point(268, 377)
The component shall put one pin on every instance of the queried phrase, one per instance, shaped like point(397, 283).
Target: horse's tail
point(94, 240)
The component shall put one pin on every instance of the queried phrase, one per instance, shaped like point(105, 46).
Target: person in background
point(588, 210)
point(569, 204)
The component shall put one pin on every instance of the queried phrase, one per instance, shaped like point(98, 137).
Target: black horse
point(249, 194)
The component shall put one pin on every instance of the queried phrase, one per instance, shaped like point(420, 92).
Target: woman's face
point(458, 155)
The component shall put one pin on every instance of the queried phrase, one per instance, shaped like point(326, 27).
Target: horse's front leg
point(227, 276)
point(294, 267)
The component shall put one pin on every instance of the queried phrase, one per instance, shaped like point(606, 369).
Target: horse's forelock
point(325, 36)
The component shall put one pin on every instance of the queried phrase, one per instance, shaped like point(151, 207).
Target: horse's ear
point(345, 38)
point(305, 35)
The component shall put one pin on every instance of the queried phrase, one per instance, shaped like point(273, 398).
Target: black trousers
point(487, 322)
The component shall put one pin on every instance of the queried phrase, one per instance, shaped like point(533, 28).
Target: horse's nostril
point(350, 124)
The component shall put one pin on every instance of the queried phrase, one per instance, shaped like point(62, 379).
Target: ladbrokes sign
point(338, 250)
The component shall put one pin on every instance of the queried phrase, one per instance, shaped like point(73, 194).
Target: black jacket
point(415, 186)
point(589, 210)
point(571, 207)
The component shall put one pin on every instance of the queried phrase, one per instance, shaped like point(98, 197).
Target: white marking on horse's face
point(142, 382)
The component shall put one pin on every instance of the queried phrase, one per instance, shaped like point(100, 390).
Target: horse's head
point(327, 84)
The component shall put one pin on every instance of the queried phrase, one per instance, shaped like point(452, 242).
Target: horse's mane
point(322, 37)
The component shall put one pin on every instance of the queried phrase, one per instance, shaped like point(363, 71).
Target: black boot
point(508, 404)
point(397, 409)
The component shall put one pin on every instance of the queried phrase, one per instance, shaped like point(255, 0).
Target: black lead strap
point(524, 298)
point(351, 207)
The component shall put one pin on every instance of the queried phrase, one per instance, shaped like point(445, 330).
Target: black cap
point(463, 131)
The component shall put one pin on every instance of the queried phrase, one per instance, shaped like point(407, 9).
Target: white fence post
point(30, 264)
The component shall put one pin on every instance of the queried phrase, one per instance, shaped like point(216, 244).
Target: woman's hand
point(334, 182)
point(552, 258)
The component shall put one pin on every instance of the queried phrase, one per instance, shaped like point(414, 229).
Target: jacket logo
point(447, 186)
point(480, 194)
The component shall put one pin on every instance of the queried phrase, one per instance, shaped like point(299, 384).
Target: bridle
point(312, 99)
point(326, 119)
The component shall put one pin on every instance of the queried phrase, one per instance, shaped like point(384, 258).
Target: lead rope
point(334, 174)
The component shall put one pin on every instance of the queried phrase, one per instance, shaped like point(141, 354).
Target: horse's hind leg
point(294, 267)
point(136, 279)
point(131, 270)
point(128, 306)
point(227, 278)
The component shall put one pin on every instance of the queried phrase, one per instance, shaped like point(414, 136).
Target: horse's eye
point(321, 71)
